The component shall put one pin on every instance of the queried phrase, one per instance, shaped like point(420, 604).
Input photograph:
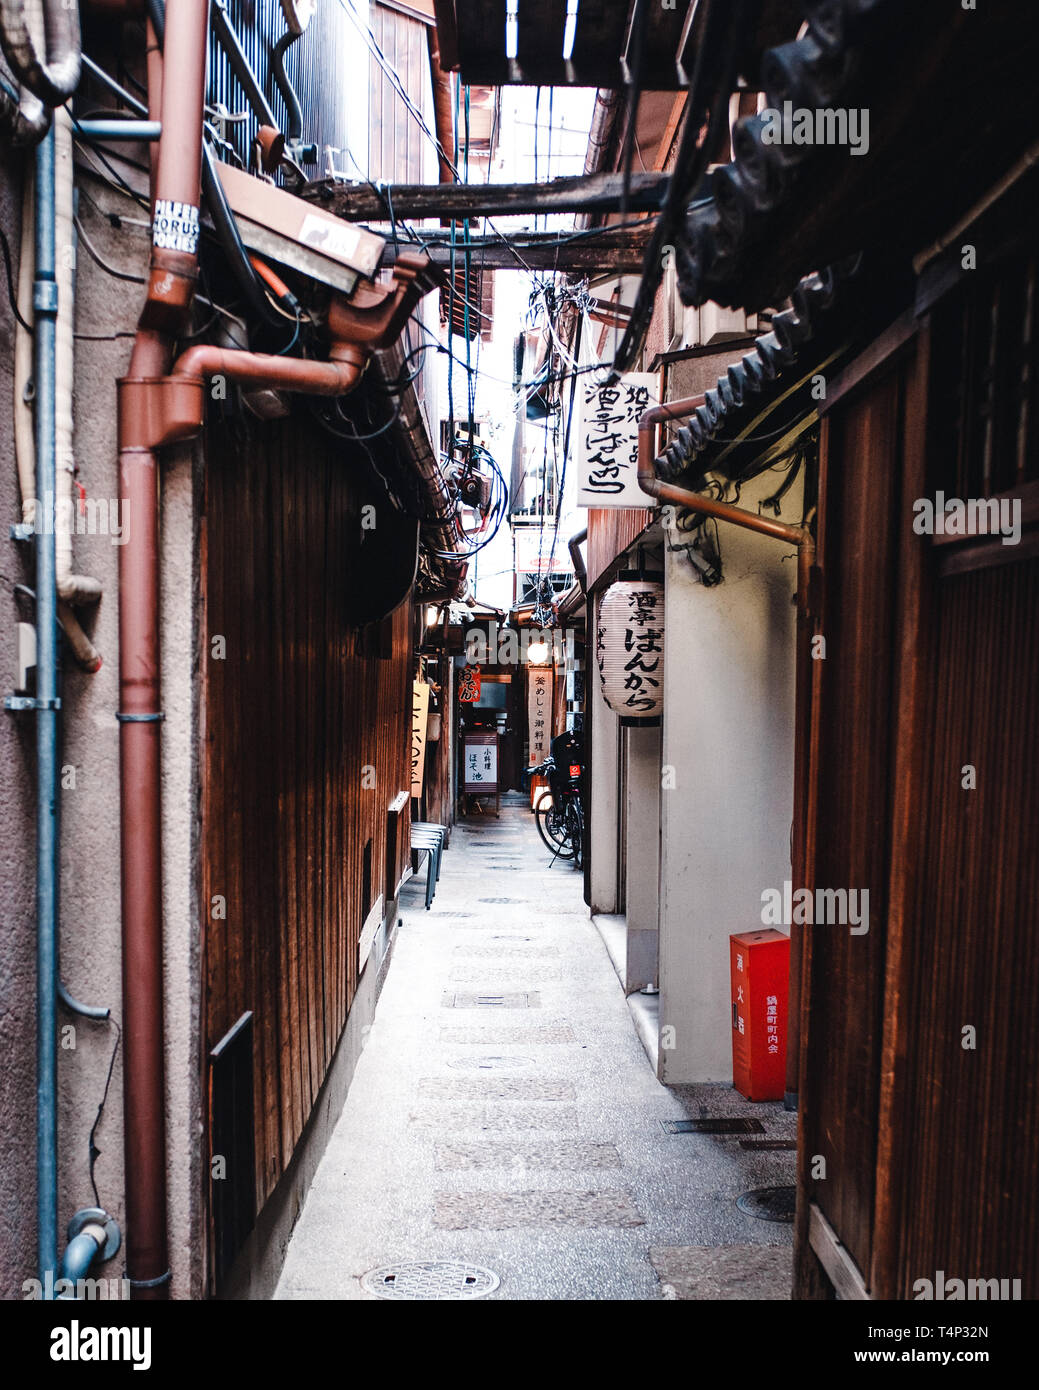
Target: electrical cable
point(98, 260)
point(5, 247)
point(93, 1151)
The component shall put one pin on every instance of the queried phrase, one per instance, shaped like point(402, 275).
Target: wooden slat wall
point(611, 530)
point(396, 142)
point(969, 1204)
point(301, 705)
point(851, 767)
point(929, 1144)
point(314, 64)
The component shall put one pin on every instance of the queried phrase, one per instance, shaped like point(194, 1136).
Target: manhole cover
point(430, 1279)
point(769, 1203)
point(491, 1063)
point(720, 1125)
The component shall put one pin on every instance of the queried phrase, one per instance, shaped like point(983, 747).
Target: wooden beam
point(596, 193)
point(619, 252)
point(841, 1269)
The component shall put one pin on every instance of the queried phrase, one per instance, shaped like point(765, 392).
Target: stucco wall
point(17, 820)
point(90, 897)
point(729, 737)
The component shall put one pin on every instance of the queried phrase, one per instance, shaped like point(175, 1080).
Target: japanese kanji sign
point(480, 762)
point(539, 711)
point(469, 685)
point(608, 445)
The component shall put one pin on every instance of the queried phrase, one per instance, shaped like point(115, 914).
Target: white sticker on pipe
point(175, 226)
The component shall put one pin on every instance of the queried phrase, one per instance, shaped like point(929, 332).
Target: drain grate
point(515, 999)
point(768, 1144)
point(719, 1125)
point(769, 1203)
point(502, 900)
point(491, 1063)
point(430, 1279)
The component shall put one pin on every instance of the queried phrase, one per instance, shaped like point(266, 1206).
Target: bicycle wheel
point(552, 828)
point(575, 831)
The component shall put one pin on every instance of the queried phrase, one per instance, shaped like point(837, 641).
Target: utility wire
point(5, 246)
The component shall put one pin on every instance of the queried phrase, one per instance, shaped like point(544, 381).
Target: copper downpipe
point(336, 377)
point(176, 182)
point(802, 537)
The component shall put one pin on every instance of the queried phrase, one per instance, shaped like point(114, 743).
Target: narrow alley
point(521, 554)
point(504, 1115)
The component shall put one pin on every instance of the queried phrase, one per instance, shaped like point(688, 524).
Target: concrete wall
point(729, 736)
point(604, 830)
point(642, 854)
point(17, 834)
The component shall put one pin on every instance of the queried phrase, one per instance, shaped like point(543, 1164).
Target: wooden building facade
point(919, 1099)
point(304, 728)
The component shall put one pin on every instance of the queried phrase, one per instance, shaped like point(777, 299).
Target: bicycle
point(558, 812)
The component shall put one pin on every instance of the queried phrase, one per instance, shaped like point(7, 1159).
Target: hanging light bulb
point(537, 652)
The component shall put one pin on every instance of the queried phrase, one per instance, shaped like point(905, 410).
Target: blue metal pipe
point(45, 307)
point(79, 1255)
point(119, 130)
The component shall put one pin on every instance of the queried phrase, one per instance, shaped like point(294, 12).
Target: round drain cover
point(430, 1279)
point(490, 1063)
point(769, 1203)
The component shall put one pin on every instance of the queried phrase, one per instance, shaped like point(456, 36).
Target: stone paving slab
point(551, 1034)
point(486, 1088)
point(726, 1272)
point(497, 1211)
point(565, 1154)
point(498, 1118)
point(494, 973)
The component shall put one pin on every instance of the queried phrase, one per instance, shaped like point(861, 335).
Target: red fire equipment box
point(760, 971)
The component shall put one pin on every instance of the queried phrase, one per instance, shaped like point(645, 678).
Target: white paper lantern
point(629, 648)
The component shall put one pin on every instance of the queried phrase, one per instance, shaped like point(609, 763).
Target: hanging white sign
point(539, 711)
point(608, 439)
point(419, 713)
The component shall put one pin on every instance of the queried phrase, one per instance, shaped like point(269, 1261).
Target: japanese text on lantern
point(643, 641)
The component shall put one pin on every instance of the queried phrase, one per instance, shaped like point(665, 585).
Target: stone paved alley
point(525, 1136)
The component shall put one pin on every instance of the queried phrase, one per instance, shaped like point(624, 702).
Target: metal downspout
point(170, 289)
point(45, 306)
